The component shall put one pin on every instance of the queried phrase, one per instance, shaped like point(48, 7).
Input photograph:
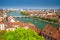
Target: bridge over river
point(20, 16)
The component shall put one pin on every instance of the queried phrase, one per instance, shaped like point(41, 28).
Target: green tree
point(23, 13)
point(2, 32)
point(22, 34)
point(57, 13)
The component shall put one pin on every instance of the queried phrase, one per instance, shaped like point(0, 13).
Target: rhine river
point(38, 23)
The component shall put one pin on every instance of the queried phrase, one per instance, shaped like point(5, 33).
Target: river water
point(38, 23)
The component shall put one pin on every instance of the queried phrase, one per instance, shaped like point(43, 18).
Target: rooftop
point(51, 31)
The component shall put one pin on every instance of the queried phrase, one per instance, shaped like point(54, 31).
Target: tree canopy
point(22, 34)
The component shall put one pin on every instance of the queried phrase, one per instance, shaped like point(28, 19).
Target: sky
point(30, 4)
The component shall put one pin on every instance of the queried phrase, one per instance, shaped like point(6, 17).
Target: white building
point(2, 27)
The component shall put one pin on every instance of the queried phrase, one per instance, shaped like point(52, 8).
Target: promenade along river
point(38, 23)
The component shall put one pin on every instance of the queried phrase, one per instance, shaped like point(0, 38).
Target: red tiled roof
point(21, 24)
point(1, 23)
point(1, 19)
point(55, 33)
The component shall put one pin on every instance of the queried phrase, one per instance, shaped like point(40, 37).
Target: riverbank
point(39, 23)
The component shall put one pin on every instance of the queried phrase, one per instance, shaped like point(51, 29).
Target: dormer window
point(44, 31)
point(51, 32)
point(58, 28)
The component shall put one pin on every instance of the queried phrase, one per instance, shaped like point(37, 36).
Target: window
point(51, 31)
